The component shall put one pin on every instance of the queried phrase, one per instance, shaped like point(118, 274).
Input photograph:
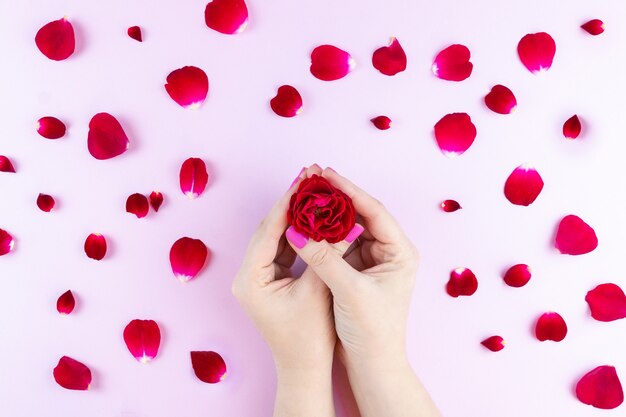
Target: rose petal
point(188, 86)
point(5, 164)
point(381, 122)
point(208, 366)
point(287, 102)
point(501, 100)
point(95, 246)
point(536, 51)
point(106, 138)
point(50, 127)
point(572, 127)
point(453, 63)
point(455, 133)
point(66, 303)
point(600, 388)
point(56, 39)
point(593, 27)
point(329, 63)
point(135, 33)
point(7, 243)
point(462, 282)
point(156, 199)
point(523, 185)
point(550, 326)
point(494, 343)
point(226, 16)
point(137, 204)
point(142, 338)
point(71, 374)
point(193, 177)
point(575, 237)
point(187, 257)
point(607, 302)
point(517, 275)
point(45, 202)
point(390, 59)
point(450, 206)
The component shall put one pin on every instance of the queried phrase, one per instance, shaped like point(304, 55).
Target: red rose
point(320, 211)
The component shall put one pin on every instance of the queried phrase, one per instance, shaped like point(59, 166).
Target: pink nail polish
point(298, 239)
point(298, 177)
point(354, 233)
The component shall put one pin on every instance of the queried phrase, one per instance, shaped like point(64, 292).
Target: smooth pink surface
point(253, 155)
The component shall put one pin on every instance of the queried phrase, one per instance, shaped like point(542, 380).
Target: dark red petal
point(106, 138)
point(462, 282)
point(137, 204)
point(187, 257)
point(453, 63)
point(135, 33)
point(455, 133)
point(523, 185)
point(381, 122)
point(188, 86)
point(7, 243)
point(50, 127)
point(572, 127)
point(226, 16)
point(5, 164)
point(56, 39)
point(142, 338)
point(501, 100)
point(66, 303)
point(287, 102)
point(156, 199)
point(450, 206)
point(517, 275)
point(607, 302)
point(71, 374)
point(550, 326)
point(45, 202)
point(329, 63)
point(601, 388)
point(390, 59)
point(494, 343)
point(193, 177)
point(208, 366)
point(536, 51)
point(575, 237)
point(95, 246)
point(594, 27)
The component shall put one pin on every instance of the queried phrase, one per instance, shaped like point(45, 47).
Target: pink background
point(254, 154)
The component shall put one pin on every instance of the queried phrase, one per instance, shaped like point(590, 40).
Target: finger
point(286, 255)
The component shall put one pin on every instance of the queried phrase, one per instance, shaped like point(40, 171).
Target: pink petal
point(593, 27)
point(550, 326)
point(572, 127)
point(536, 51)
point(95, 246)
point(450, 206)
point(607, 302)
point(501, 100)
point(381, 122)
point(106, 138)
point(71, 374)
point(56, 39)
point(137, 204)
point(517, 275)
point(7, 243)
point(188, 86)
point(455, 133)
point(600, 388)
point(66, 303)
point(329, 63)
point(156, 199)
point(523, 185)
point(575, 237)
point(287, 102)
point(142, 338)
point(494, 343)
point(45, 202)
point(462, 282)
point(390, 59)
point(50, 127)
point(135, 33)
point(226, 16)
point(193, 177)
point(5, 164)
point(453, 63)
point(208, 366)
point(187, 257)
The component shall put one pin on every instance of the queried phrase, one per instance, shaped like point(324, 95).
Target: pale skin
point(352, 300)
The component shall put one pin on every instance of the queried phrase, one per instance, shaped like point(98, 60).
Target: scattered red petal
point(287, 102)
point(390, 59)
point(156, 199)
point(501, 100)
point(208, 366)
point(6, 165)
point(517, 275)
point(95, 246)
point(187, 257)
point(523, 185)
point(188, 86)
point(601, 388)
point(56, 39)
point(71, 374)
point(607, 302)
point(137, 204)
point(50, 127)
point(226, 16)
point(7, 243)
point(381, 122)
point(66, 303)
point(453, 63)
point(593, 27)
point(193, 177)
point(455, 133)
point(45, 202)
point(572, 127)
point(329, 63)
point(550, 326)
point(135, 33)
point(575, 237)
point(536, 51)
point(106, 138)
point(494, 343)
point(462, 282)
point(142, 337)
point(450, 206)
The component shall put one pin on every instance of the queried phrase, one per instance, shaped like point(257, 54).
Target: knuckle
point(319, 256)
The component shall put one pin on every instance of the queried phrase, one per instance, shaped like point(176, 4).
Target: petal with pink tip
point(453, 63)
point(45, 202)
point(572, 127)
point(66, 303)
point(71, 374)
point(95, 246)
point(106, 138)
point(208, 366)
point(142, 338)
point(381, 122)
point(494, 343)
point(56, 39)
point(329, 63)
point(135, 33)
point(6, 165)
point(193, 177)
point(501, 100)
point(536, 51)
point(550, 326)
point(50, 127)
point(390, 59)
point(137, 204)
point(593, 27)
point(287, 102)
point(188, 86)
point(600, 388)
point(607, 302)
point(523, 185)
point(156, 199)
point(575, 237)
point(7, 243)
point(187, 258)
point(450, 206)
point(462, 282)
point(517, 275)
point(226, 16)
point(455, 133)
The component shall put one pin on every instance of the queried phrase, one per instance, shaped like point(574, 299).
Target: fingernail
point(297, 178)
point(354, 233)
point(298, 239)
point(330, 169)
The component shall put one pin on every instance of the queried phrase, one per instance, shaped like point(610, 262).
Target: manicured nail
point(354, 233)
point(297, 178)
point(298, 240)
